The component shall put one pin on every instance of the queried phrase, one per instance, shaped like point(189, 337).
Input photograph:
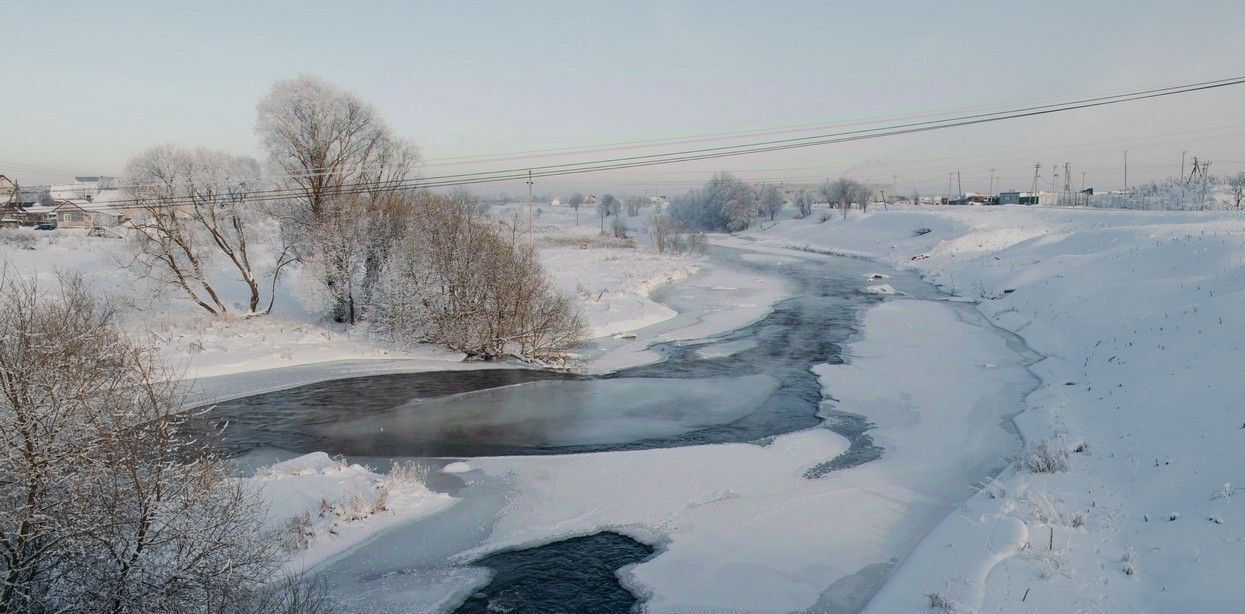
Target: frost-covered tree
point(108, 505)
point(576, 201)
point(607, 206)
point(725, 203)
point(469, 202)
point(669, 236)
point(771, 200)
point(803, 204)
point(1236, 186)
point(618, 227)
point(844, 192)
point(342, 161)
point(473, 286)
point(196, 206)
point(634, 204)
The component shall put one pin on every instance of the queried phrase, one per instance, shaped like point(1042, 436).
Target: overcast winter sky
point(87, 84)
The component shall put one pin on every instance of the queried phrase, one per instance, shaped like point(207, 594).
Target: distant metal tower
point(1068, 198)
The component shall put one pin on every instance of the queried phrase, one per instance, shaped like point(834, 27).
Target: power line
point(552, 170)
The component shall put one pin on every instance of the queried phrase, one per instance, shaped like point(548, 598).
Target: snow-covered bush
point(669, 236)
point(803, 204)
point(299, 532)
point(19, 238)
point(725, 203)
point(406, 474)
point(1046, 509)
point(937, 601)
point(1045, 456)
point(474, 287)
point(1130, 562)
point(618, 227)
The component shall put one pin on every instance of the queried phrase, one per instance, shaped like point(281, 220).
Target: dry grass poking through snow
point(1046, 456)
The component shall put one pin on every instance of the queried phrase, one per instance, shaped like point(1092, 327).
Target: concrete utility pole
point(531, 240)
point(1125, 169)
point(959, 187)
point(1182, 155)
point(992, 192)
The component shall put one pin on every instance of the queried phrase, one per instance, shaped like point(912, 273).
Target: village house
point(81, 214)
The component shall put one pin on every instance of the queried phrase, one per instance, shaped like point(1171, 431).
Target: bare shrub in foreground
point(107, 506)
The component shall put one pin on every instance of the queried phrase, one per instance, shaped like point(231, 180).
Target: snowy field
point(1139, 317)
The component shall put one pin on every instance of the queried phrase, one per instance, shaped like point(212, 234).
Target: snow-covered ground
point(1139, 317)
point(321, 506)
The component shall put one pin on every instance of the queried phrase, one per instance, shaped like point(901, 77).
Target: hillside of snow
point(1138, 315)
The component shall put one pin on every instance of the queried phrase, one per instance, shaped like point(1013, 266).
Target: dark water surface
point(570, 576)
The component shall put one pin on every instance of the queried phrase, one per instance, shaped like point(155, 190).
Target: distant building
point(83, 188)
point(81, 214)
point(1019, 198)
point(10, 193)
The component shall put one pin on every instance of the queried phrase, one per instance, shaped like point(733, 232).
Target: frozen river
point(748, 384)
point(745, 390)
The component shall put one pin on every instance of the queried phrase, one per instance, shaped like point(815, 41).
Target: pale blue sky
point(90, 83)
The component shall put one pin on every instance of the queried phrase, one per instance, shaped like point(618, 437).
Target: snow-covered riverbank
point(1138, 315)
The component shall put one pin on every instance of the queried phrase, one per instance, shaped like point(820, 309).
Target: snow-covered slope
point(1139, 316)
